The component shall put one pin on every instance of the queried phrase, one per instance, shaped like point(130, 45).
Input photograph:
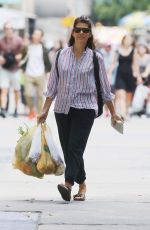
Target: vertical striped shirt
point(76, 84)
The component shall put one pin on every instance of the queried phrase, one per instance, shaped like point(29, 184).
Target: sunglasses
point(84, 30)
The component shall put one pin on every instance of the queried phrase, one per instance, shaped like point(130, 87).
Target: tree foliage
point(110, 11)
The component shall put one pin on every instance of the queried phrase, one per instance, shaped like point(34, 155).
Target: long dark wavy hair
point(86, 20)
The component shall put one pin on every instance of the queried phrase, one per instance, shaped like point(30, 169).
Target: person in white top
point(37, 64)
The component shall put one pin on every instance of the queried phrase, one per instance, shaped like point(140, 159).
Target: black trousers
point(74, 129)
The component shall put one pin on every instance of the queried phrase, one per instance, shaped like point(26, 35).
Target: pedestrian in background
point(36, 66)
point(76, 102)
point(109, 55)
point(57, 46)
point(11, 47)
point(141, 101)
point(125, 80)
point(22, 64)
point(143, 60)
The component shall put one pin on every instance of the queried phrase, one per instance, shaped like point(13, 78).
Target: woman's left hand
point(117, 118)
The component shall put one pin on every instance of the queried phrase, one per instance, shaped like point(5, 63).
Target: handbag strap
point(56, 63)
point(98, 84)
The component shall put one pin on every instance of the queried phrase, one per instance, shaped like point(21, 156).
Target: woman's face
point(81, 33)
point(141, 49)
point(128, 40)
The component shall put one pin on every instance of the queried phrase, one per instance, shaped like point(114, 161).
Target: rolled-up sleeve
point(107, 95)
point(52, 83)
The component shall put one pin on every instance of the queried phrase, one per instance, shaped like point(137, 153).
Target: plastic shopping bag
point(50, 161)
point(45, 164)
point(54, 152)
point(21, 160)
point(35, 149)
point(140, 95)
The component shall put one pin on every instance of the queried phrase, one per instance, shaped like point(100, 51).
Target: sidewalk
point(118, 180)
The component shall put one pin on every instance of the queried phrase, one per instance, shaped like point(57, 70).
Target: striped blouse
point(76, 85)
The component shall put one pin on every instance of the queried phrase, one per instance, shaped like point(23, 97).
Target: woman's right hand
point(41, 118)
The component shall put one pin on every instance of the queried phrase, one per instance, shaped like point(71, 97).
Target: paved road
point(118, 179)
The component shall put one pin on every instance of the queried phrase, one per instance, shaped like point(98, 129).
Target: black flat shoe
point(65, 192)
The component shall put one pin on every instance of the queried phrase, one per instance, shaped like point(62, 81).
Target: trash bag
point(21, 160)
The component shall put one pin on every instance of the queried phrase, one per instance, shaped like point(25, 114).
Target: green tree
point(110, 11)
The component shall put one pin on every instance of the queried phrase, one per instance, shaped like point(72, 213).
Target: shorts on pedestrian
point(9, 79)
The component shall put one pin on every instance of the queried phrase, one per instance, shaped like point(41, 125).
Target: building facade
point(49, 14)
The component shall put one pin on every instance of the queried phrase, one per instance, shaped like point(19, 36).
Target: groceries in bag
point(42, 153)
point(54, 152)
point(48, 160)
point(45, 164)
point(22, 149)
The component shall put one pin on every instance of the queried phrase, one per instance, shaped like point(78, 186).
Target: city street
point(118, 182)
point(75, 52)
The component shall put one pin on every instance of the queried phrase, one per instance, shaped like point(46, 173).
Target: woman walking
point(125, 81)
point(76, 102)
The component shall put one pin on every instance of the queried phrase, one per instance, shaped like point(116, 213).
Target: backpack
point(97, 81)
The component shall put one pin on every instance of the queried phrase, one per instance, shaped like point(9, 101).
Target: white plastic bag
point(35, 150)
point(52, 146)
point(148, 108)
point(140, 95)
point(44, 152)
point(54, 151)
point(21, 160)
